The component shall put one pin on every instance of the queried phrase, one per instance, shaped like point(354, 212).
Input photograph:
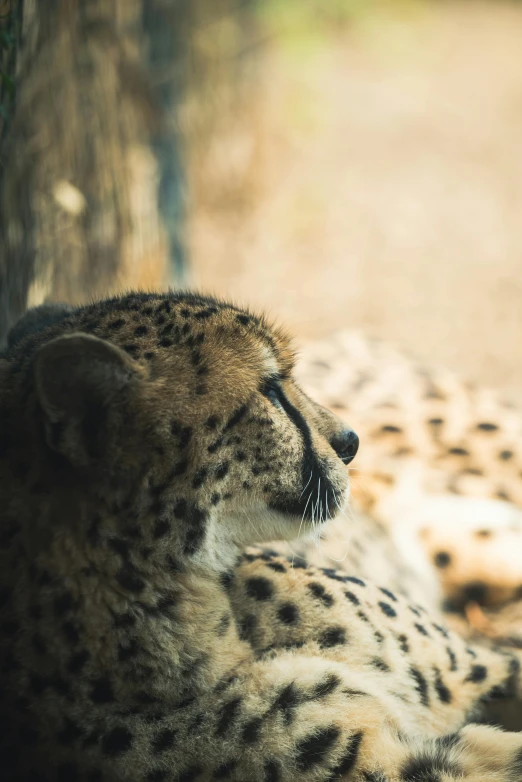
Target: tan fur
point(440, 466)
point(145, 443)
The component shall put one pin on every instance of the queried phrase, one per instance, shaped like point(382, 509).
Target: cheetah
point(151, 447)
point(441, 468)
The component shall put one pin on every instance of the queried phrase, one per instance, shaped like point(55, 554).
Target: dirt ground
point(385, 176)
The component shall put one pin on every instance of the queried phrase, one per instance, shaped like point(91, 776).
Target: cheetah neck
point(137, 635)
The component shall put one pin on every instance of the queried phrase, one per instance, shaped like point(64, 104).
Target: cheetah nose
point(345, 445)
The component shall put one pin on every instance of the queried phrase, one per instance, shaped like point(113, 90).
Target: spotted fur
point(146, 442)
point(441, 468)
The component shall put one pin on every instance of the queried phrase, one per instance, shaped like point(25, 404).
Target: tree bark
point(114, 100)
point(91, 186)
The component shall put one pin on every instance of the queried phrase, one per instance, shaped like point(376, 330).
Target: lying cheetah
point(441, 468)
point(146, 442)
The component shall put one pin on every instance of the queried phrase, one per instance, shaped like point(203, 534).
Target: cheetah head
point(171, 423)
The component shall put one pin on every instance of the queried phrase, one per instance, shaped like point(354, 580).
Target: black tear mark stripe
point(311, 470)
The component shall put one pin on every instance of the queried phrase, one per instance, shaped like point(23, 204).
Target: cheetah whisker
point(307, 484)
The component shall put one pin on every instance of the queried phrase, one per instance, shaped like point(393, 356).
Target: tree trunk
point(91, 186)
point(94, 146)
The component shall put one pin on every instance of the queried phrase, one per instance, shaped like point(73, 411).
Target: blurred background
point(338, 163)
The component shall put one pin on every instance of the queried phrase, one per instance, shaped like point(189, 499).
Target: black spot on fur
point(421, 685)
point(332, 636)
point(325, 687)
point(246, 627)
point(212, 422)
point(288, 614)
point(236, 418)
point(102, 691)
point(387, 609)
point(483, 533)
point(116, 324)
point(78, 661)
point(227, 579)
point(442, 691)
point(164, 740)
point(452, 658)
point(259, 588)
point(287, 701)
point(354, 580)
point(277, 566)
point(477, 674)
point(183, 433)
point(349, 758)
point(195, 532)
point(388, 594)
point(228, 715)
point(442, 559)
point(117, 741)
point(381, 665)
point(486, 426)
point(403, 643)
point(161, 529)
point(224, 624)
point(333, 574)
point(222, 471)
point(251, 730)
point(320, 593)
point(428, 766)
point(199, 478)
point(125, 620)
point(352, 598)
point(130, 579)
point(313, 748)
point(215, 446)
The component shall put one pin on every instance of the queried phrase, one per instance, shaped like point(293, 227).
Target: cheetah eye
point(272, 392)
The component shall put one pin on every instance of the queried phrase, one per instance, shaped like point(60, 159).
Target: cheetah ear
point(82, 384)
